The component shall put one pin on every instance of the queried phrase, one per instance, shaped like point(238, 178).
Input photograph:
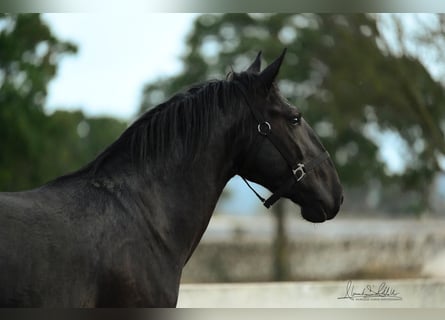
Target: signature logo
point(371, 292)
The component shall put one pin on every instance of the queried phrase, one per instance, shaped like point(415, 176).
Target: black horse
point(119, 231)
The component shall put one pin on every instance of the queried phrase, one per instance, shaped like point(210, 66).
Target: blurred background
point(371, 85)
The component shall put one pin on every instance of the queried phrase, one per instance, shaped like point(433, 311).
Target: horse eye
point(296, 120)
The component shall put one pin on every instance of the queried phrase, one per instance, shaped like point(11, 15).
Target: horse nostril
point(341, 200)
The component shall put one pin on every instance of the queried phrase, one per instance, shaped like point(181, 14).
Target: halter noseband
point(298, 170)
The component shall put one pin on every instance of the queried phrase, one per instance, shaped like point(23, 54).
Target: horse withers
point(119, 231)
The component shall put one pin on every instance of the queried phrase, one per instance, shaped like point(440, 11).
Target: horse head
point(285, 155)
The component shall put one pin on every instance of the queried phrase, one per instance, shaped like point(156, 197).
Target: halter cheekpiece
point(298, 169)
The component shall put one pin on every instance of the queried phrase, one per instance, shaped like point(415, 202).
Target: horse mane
point(181, 125)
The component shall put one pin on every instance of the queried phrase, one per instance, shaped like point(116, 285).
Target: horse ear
point(255, 67)
point(230, 74)
point(270, 73)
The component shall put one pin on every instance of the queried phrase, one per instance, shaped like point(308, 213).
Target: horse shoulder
point(132, 276)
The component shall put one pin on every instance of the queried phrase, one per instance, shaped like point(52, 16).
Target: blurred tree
point(29, 54)
point(72, 140)
point(280, 261)
point(35, 147)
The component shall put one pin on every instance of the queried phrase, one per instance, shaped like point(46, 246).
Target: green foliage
point(72, 140)
point(340, 73)
point(35, 147)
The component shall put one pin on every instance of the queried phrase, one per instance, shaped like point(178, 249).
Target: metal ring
point(262, 126)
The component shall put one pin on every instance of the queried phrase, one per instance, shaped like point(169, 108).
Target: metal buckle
point(264, 128)
point(299, 169)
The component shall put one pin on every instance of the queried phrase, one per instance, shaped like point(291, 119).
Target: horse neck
point(177, 198)
point(190, 193)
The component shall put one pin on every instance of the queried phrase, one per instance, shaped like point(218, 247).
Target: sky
point(117, 55)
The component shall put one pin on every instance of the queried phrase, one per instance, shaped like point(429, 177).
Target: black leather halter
point(298, 169)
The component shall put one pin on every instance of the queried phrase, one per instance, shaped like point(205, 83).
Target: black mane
point(181, 125)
